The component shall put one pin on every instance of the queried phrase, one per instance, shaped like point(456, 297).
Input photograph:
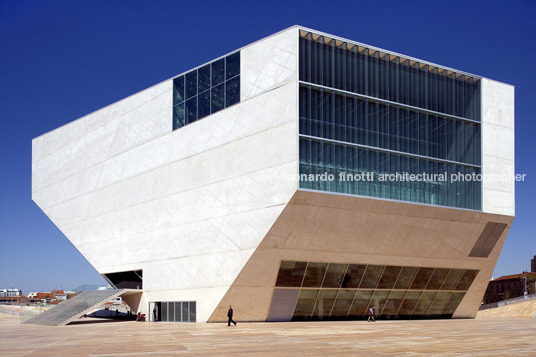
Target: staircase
point(72, 309)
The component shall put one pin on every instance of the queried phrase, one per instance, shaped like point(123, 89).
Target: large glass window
point(368, 72)
point(342, 117)
point(336, 167)
point(345, 291)
point(206, 90)
point(372, 112)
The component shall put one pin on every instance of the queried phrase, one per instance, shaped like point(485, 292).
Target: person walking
point(230, 316)
point(371, 313)
point(154, 314)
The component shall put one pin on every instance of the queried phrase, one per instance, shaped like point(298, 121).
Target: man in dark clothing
point(230, 316)
point(372, 313)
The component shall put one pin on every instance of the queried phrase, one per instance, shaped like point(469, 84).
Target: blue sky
point(60, 60)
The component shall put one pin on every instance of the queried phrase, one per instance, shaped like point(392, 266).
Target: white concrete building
point(189, 190)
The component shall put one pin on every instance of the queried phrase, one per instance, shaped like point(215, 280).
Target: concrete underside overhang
point(322, 227)
point(133, 298)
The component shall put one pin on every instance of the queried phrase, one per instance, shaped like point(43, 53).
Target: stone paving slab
point(480, 337)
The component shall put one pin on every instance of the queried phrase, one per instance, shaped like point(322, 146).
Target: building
point(10, 292)
point(509, 287)
point(304, 176)
point(533, 264)
point(41, 298)
point(59, 295)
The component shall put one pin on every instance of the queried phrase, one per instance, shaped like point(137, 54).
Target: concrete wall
point(187, 206)
point(320, 227)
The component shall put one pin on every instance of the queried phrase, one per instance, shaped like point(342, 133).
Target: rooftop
point(515, 276)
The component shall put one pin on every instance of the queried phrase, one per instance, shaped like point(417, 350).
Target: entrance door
point(173, 311)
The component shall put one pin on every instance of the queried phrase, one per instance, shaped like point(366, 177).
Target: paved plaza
point(480, 337)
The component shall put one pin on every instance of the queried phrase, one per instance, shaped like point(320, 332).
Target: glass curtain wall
point(206, 90)
point(385, 115)
point(334, 291)
point(365, 71)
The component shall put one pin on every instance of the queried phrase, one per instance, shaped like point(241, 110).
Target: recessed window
point(206, 90)
point(333, 291)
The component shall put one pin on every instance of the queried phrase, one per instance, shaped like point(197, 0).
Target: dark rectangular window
point(218, 98)
point(218, 72)
point(191, 84)
point(203, 75)
point(206, 90)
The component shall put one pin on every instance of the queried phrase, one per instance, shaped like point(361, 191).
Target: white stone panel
point(143, 124)
point(498, 188)
point(96, 137)
point(268, 63)
point(221, 164)
point(217, 217)
point(71, 187)
point(77, 156)
point(224, 127)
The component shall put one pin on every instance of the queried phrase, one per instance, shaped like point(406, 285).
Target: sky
point(60, 60)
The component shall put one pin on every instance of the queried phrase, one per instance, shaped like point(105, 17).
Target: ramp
point(72, 309)
point(524, 309)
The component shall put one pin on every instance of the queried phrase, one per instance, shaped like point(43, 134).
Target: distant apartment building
point(510, 286)
point(533, 264)
point(10, 292)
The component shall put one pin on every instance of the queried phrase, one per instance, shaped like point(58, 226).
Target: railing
point(507, 302)
point(24, 312)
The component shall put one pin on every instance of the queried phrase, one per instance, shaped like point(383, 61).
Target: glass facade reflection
point(337, 291)
point(206, 90)
point(362, 111)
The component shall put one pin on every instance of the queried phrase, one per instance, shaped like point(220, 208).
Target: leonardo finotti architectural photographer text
point(369, 176)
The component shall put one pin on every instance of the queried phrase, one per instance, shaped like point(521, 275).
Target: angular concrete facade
point(209, 211)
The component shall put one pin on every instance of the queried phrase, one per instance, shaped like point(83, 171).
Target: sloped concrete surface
point(521, 310)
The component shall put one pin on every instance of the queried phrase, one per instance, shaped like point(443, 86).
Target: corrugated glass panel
point(353, 276)
point(422, 278)
point(424, 303)
point(343, 303)
point(314, 274)
point(324, 304)
point(389, 277)
point(306, 303)
point(371, 277)
point(409, 303)
point(291, 274)
point(405, 278)
point(361, 303)
point(393, 303)
point(334, 275)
